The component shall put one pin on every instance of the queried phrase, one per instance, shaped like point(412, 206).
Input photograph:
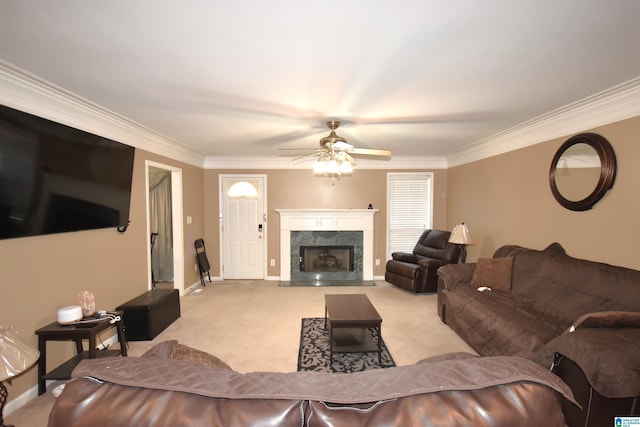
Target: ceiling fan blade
point(341, 145)
point(305, 158)
point(350, 159)
point(286, 137)
point(424, 120)
point(369, 152)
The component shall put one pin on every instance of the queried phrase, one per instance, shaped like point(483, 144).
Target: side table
point(77, 333)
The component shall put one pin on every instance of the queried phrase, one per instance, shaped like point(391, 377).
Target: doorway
point(165, 245)
point(243, 226)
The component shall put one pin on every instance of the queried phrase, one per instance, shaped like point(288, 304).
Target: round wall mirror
point(582, 171)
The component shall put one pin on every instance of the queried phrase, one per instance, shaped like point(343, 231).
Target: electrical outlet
point(272, 263)
point(377, 262)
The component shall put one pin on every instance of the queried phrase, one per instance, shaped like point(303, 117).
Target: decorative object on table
point(16, 356)
point(69, 315)
point(314, 352)
point(87, 301)
point(460, 235)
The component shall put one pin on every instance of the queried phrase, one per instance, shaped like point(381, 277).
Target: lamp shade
point(16, 354)
point(461, 235)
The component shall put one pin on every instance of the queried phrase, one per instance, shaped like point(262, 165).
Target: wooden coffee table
point(348, 318)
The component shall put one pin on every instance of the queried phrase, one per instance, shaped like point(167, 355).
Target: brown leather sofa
point(581, 316)
point(453, 390)
point(417, 271)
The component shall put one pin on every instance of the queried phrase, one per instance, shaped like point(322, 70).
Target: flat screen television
point(58, 179)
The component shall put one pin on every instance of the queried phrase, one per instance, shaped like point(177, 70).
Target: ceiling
point(260, 78)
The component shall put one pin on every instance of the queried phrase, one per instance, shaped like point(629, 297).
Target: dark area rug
point(314, 351)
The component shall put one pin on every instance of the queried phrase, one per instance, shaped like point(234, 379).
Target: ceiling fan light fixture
point(334, 157)
point(346, 168)
point(332, 167)
point(320, 167)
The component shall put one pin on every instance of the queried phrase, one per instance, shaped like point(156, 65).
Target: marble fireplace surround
point(326, 220)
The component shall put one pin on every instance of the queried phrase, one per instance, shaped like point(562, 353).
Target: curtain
point(161, 222)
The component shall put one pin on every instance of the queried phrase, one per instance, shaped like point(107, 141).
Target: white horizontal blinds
point(409, 197)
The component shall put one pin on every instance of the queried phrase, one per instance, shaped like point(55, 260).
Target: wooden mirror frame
point(607, 170)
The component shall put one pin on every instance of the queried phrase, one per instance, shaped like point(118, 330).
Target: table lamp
point(460, 235)
point(16, 356)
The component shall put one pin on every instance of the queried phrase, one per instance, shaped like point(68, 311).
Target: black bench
point(150, 313)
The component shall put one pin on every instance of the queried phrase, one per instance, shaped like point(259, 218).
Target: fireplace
point(343, 227)
point(326, 255)
point(316, 259)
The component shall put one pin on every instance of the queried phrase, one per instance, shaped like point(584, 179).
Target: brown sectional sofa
point(163, 389)
point(558, 311)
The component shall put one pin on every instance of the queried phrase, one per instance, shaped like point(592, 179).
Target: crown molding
point(276, 162)
point(26, 92)
point(612, 105)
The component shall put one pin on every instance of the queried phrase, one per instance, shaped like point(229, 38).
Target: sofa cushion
point(171, 349)
point(161, 350)
point(609, 358)
point(430, 262)
point(492, 325)
point(152, 392)
point(188, 354)
point(432, 244)
point(437, 239)
point(494, 273)
point(608, 319)
point(404, 257)
point(552, 285)
point(405, 269)
point(473, 373)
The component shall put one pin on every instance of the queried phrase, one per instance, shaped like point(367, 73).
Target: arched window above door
point(243, 189)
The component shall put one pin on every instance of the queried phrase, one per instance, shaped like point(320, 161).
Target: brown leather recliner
point(416, 271)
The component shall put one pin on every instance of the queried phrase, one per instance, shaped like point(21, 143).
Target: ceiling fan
point(335, 155)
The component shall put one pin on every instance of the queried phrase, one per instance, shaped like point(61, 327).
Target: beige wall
point(299, 188)
point(41, 274)
point(506, 199)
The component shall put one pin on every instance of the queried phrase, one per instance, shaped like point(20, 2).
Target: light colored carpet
point(255, 326)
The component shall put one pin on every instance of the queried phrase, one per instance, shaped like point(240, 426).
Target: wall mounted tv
point(57, 179)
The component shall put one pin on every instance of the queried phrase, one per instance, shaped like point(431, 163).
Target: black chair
point(154, 236)
point(417, 271)
point(203, 262)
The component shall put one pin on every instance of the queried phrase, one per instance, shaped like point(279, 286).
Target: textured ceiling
point(421, 78)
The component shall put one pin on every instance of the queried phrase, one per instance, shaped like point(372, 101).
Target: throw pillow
point(189, 354)
point(494, 273)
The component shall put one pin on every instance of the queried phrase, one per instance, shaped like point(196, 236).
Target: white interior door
point(243, 226)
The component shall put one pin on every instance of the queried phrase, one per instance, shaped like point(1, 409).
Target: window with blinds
point(409, 209)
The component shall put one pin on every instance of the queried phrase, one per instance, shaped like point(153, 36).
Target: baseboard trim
point(21, 400)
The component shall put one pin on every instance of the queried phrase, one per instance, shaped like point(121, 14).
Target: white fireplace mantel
point(326, 220)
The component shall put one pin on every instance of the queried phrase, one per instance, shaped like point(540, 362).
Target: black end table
point(75, 332)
